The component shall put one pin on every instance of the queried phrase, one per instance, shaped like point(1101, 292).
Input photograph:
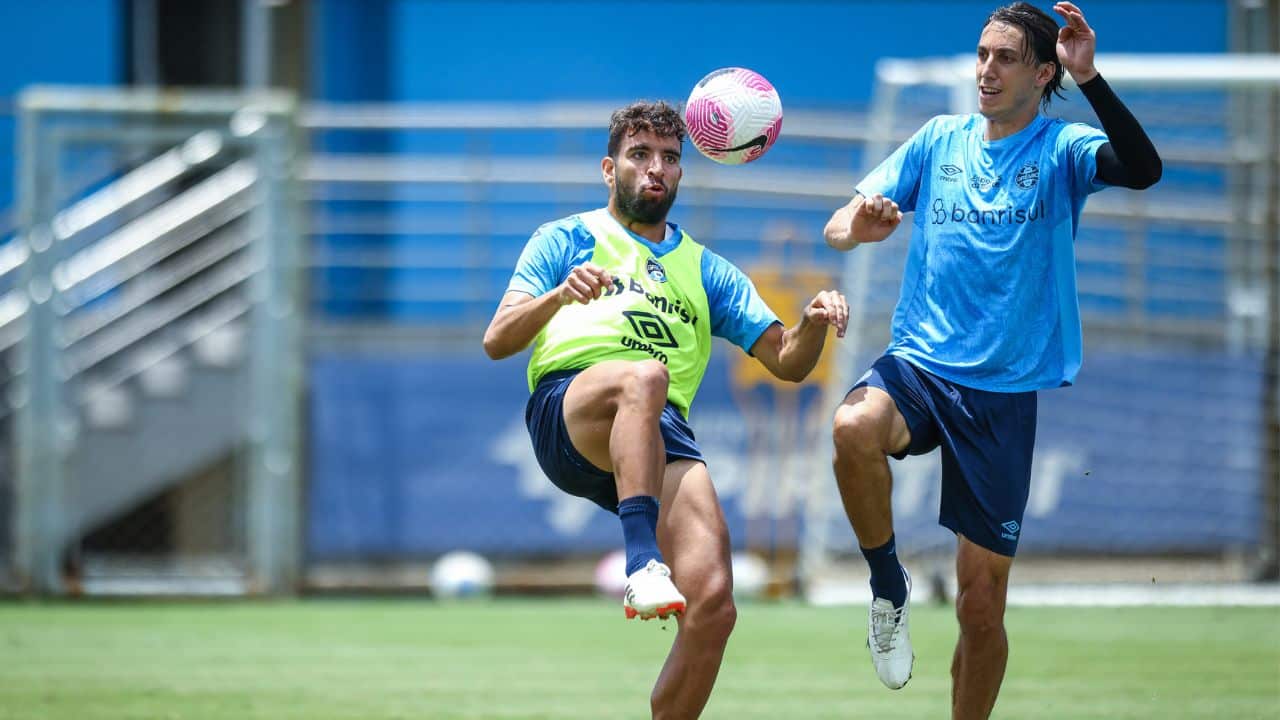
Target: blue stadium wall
point(819, 53)
point(71, 42)
point(411, 457)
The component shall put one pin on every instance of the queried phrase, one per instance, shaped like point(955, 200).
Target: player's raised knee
point(647, 379)
point(857, 431)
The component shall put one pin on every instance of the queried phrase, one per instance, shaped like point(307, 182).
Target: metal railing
point(407, 227)
point(134, 269)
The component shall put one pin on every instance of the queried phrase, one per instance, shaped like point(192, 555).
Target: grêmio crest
point(654, 270)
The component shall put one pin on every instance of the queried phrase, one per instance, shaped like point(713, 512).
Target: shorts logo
point(1011, 529)
point(949, 173)
point(655, 270)
point(1028, 175)
point(650, 327)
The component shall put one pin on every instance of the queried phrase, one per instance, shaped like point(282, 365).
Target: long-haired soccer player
point(620, 306)
point(988, 315)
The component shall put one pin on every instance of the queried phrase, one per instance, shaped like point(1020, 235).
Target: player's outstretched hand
point(585, 283)
point(829, 308)
point(1076, 43)
point(875, 218)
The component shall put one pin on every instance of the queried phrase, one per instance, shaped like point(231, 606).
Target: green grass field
point(577, 658)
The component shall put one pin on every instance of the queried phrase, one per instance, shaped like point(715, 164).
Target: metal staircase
point(151, 320)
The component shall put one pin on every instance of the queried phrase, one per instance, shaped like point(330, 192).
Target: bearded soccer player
point(620, 306)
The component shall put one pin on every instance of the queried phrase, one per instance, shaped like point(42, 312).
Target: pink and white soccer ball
point(734, 115)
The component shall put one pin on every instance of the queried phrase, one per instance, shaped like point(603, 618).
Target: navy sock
point(887, 580)
point(639, 516)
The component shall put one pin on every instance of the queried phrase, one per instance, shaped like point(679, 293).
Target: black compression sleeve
point(1129, 159)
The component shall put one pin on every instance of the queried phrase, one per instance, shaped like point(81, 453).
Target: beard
point(646, 211)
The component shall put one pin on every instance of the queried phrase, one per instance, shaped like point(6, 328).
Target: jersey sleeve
point(898, 176)
point(1078, 144)
point(545, 261)
point(738, 313)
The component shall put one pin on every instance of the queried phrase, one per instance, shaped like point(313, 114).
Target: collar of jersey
point(669, 243)
point(1007, 139)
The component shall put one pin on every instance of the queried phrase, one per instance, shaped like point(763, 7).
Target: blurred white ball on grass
point(750, 575)
point(611, 574)
point(461, 574)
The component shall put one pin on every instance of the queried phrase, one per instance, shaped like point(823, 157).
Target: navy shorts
point(565, 466)
point(987, 440)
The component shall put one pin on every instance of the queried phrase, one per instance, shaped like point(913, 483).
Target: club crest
point(655, 270)
point(1028, 175)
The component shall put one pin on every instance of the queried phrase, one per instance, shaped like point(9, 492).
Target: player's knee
point(980, 606)
point(857, 432)
point(648, 380)
point(712, 614)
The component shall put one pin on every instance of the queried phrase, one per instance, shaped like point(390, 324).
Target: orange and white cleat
point(651, 594)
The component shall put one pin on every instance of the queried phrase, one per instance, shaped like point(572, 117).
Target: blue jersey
point(737, 312)
point(988, 296)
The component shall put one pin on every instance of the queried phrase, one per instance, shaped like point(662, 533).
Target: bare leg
point(868, 428)
point(612, 411)
point(977, 668)
point(695, 540)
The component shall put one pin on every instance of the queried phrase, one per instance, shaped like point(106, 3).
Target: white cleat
point(651, 594)
point(889, 639)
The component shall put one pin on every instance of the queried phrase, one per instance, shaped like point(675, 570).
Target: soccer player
point(620, 306)
point(987, 316)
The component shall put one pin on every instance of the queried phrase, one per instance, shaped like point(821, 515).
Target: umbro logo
point(648, 326)
point(950, 170)
point(1011, 529)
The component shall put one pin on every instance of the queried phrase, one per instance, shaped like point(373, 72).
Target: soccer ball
point(611, 574)
point(461, 574)
point(750, 575)
point(733, 115)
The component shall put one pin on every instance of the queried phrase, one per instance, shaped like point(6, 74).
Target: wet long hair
point(1039, 40)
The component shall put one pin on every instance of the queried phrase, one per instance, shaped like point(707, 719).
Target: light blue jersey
point(989, 292)
point(738, 313)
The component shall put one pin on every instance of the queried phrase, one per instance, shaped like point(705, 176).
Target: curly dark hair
point(1039, 40)
point(656, 117)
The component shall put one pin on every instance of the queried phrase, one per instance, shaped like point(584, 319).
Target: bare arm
point(863, 220)
point(792, 354)
point(518, 320)
point(520, 316)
